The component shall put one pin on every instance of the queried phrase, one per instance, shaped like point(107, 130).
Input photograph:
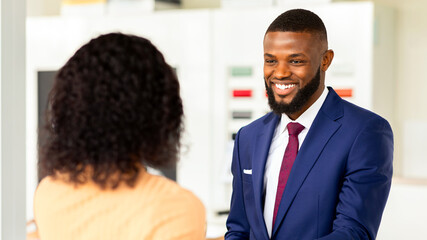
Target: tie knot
point(294, 128)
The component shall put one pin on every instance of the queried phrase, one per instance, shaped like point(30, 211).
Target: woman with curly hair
point(114, 109)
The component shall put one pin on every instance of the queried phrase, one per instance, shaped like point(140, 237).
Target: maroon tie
point(288, 160)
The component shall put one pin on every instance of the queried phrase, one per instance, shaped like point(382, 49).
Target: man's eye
point(296, 61)
point(269, 61)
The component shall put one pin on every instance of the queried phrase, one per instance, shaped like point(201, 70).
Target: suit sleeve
point(366, 184)
point(237, 223)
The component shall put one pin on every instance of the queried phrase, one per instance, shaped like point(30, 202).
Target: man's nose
point(282, 71)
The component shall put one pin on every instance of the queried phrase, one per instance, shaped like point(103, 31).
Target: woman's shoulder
point(50, 185)
point(153, 201)
point(168, 190)
point(176, 208)
point(50, 193)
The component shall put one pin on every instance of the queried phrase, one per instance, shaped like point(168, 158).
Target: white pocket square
point(247, 171)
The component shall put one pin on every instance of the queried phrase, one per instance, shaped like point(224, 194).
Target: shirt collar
point(307, 117)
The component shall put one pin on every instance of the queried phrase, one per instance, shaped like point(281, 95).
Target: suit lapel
point(260, 154)
point(323, 128)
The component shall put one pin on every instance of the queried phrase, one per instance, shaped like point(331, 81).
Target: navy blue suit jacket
point(338, 185)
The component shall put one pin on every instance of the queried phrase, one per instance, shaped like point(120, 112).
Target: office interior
point(215, 46)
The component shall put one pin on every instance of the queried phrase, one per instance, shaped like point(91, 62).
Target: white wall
point(201, 3)
point(405, 215)
point(53, 7)
point(43, 7)
point(411, 83)
point(12, 119)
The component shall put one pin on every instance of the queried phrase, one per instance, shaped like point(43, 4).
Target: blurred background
point(215, 47)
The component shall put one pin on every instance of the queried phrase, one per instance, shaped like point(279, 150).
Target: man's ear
point(327, 60)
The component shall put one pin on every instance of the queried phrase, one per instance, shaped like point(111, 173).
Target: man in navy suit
point(338, 180)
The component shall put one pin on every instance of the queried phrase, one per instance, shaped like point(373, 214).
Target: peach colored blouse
point(155, 208)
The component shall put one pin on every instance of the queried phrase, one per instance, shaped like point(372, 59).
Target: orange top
point(155, 208)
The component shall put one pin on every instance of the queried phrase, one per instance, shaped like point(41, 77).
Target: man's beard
point(300, 99)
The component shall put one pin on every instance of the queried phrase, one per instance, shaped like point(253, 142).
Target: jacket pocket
point(247, 178)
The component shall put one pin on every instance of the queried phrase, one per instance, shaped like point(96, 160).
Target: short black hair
point(298, 20)
point(115, 106)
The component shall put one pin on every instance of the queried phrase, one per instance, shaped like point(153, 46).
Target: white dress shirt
point(276, 152)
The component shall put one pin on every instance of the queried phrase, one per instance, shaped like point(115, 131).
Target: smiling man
point(317, 166)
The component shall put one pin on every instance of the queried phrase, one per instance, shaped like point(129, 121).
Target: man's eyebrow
point(296, 55)
point(290, 56)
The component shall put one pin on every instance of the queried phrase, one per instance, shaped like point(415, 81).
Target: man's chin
point(282, 100)
point(283, 105)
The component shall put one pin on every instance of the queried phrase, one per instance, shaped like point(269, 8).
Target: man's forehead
point(296, 38)
point(289, 38)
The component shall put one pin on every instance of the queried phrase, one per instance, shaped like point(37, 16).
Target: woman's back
point(114, 108)
point(155, 208)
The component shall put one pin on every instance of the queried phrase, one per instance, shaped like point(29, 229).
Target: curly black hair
point(114, 108)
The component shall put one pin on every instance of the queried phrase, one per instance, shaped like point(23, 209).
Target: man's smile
point(283, 89)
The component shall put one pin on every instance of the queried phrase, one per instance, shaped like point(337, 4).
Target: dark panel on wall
point(44, 84)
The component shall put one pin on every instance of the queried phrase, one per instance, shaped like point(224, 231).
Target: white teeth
point(284, 86)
